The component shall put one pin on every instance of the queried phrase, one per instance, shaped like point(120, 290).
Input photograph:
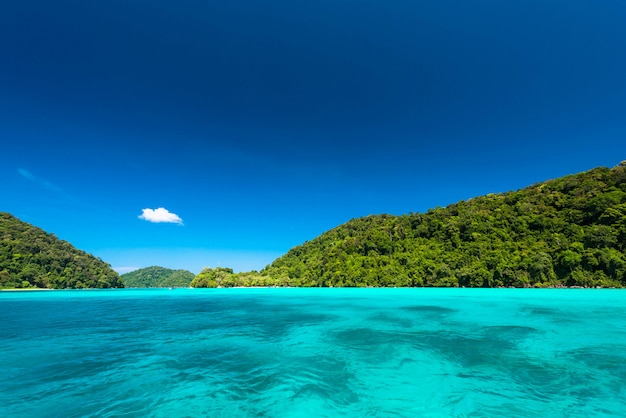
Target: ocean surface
point(313, 353)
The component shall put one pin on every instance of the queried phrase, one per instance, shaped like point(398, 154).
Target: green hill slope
point(565, 232)
point(30, 257)
point(157, 277)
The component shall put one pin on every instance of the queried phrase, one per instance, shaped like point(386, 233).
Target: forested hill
point(157, 277)
point(570, 231)
point(30, 257)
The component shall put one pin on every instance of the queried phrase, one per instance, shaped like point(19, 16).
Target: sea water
point(313, 353)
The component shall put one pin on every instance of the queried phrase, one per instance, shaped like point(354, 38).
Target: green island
point(156, 276)
point(566, 232)
point(31, 258)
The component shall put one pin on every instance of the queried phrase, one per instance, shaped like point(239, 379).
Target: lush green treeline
point(157, 277)
point(565, 232)
point(224, 277)
point(30, 257)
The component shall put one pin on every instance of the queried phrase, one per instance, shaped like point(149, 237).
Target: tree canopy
point(569, 231)
point(32, 258)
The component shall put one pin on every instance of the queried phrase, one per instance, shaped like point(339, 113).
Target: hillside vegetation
point(157, 277)
point(565, 232)
point(32, 258)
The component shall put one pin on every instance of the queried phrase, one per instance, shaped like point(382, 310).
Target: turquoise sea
point(313, 353)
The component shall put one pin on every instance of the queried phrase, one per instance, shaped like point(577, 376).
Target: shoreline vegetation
point(32, 258)
point(37, 289)
point(564, 233)
point(567, 232)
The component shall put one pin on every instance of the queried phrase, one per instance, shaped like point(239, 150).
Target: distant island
point(567, 232)
point(157, 277)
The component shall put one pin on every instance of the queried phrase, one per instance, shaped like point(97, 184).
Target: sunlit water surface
point(313, 352)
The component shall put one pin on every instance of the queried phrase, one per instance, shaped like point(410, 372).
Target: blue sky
point(263, 124)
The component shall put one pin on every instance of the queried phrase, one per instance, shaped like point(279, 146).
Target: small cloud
point(160, 215)
point(31, 177)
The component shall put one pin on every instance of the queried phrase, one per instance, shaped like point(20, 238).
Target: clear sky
point(258, 125)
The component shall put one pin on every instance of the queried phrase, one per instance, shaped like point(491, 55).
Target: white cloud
point(160, 215)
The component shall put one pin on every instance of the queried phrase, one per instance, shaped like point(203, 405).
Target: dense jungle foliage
point(32, 258)
point(157, 277)
point(225, 277)
point(565, 232)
